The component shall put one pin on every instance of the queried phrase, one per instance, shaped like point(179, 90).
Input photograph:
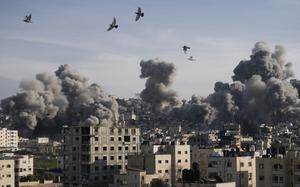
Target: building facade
point(93, 154)
point(7, 174)
point(8, 138)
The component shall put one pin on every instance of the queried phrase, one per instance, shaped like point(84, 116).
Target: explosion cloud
point(159, 76)
point(49, 101)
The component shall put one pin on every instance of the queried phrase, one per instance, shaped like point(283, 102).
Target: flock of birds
point(114, 25)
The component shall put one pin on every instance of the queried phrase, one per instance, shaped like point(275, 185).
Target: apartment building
point(8, 139)
point(23, 166)
point(93, 154)
point(7, 174)
point(239, 169)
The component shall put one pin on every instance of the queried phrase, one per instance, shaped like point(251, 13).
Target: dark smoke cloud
point(223, 101)
point(264, 63)
point(49, 101)
point(159, 76)
point(195, 110)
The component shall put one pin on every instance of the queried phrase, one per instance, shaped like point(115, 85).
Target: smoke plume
point(50, 101)
point(159, 76)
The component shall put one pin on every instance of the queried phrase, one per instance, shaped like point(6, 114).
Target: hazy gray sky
point(221, 33)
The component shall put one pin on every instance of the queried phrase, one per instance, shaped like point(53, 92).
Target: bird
point(113, 24)
point(185, 48)
point(139, 14)
point(28, 19)
point(191, 58)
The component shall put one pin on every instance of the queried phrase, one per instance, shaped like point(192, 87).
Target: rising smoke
point(260, 92)
point(159, 76)
point(50, 101)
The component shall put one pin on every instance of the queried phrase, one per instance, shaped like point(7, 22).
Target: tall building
point(93, 154)
point(8, 138)
point(7, 174)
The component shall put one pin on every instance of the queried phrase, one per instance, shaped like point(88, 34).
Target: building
point(23, 166)
point(7, 174)
point(208, 184)
point(163, 162)
point(239, 169)
point(93, 154)
point(8, 139)
point(41, 146)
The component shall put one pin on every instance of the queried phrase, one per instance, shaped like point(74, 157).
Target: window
point(74, 168)
point(261, 178)
point(112, 148)
point(112, 157)
point(104, 177)
point(104, 158)
point(134, 139)
point(166, 161)
point(159, 161)
point(126, 148)
point(120, 157)
point(120, 139)
point(261, 166)
point(96, 148)
point(280, 179)
point(242, 164)
point(126, 157)
point(159, 171)
point(249, 164)
point(133, 148)
point(119, 167)
point(126, 138)
point(277, 166)
point(96, 139)
point(112, 139)
point(96, 158)
point(96, 178)
point(186, 160)
point(166, 171)
point(74, 148)
point(179, 152)
point(104, 148)
point(112, 168)
point(179, 161)
point(229, 164)
point(77, 139)
point(8, 166)
point(120, 148)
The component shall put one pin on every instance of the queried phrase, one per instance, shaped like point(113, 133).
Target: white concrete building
point(8, 138)
point(23, 165)
point(7, 174)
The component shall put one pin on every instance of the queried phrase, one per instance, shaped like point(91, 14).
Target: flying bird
point(113, 24)
point(191, 58)
point(27, 19)
point(139, 14)
point(185, 48)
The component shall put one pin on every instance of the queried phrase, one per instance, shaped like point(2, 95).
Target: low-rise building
point(7, 174)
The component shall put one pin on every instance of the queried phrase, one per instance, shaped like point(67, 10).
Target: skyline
point(76, 35)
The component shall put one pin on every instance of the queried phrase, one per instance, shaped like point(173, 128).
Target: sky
point(220, 33)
